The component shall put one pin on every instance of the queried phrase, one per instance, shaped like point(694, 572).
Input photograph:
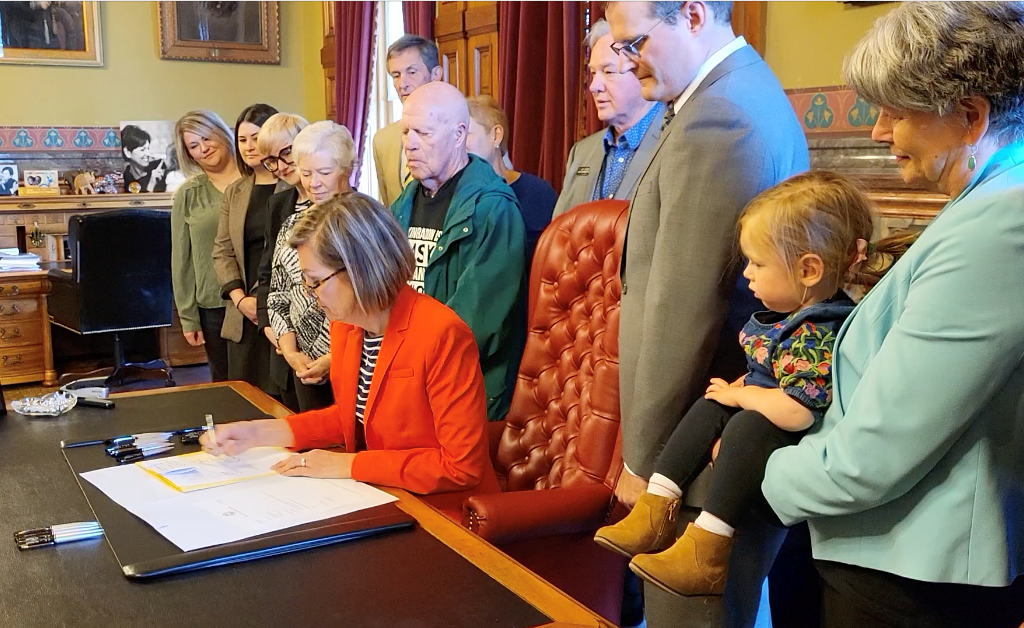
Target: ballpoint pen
point(138, 453)
point(63, 533)
point(209, 428)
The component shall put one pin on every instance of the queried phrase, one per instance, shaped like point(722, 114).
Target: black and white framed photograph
point(50, 33)
point(151, 164)
point(8, 179)
point(232, 32)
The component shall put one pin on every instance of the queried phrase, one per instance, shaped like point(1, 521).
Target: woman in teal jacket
point(477, 269)
point(913, 485)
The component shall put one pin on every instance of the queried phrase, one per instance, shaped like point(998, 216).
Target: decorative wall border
point(833, 110)
point(77, 139)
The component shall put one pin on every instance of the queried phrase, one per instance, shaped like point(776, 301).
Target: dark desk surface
point(437, 575)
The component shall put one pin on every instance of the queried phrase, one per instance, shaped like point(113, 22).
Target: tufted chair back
point(563, 426)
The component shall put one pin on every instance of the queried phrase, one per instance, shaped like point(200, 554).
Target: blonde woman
point(324, 153)
point(275, 144)
point(205, 148)
point(488, 138)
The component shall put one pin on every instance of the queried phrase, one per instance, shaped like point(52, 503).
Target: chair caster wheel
point(169, 383)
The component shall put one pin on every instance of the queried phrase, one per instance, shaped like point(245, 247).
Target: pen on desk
point(139, 453)
point(131, 438)
point(52, 535)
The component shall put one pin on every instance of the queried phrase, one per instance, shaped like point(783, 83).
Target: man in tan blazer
point(729, 133)
point(608, 164)
point(412, 61)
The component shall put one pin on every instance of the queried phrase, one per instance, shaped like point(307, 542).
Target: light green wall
point(135, 84)
point(806, 41)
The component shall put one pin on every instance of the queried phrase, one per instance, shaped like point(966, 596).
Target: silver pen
point(61, 533)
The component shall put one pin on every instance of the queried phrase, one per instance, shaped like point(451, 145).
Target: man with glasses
point(609, 163)
point(728, 133)
point(412, 61)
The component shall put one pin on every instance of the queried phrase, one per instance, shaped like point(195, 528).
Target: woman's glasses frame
point(311, 289)
point(273, 162)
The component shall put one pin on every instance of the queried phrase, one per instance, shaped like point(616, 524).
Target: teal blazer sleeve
point(923, 359)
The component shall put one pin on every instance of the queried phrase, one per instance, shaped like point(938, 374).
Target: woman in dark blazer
point(275, 144)
point(237, 251)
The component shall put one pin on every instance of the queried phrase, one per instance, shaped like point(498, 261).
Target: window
point(385, 107)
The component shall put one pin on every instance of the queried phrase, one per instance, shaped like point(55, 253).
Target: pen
point(129, 438)
point(142, 452)
point(63, 533)
point(209, 428)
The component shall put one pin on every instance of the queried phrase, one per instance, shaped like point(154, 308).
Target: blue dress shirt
point(618, 153)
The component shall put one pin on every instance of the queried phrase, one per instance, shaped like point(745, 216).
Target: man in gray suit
point(608, 164)
point(729, 133)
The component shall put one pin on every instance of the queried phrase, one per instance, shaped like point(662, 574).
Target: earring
point(972, 163)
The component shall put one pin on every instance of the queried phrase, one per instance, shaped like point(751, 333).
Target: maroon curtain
point(418, 18)
point(540, 82)
point(591, 123)
point(354, 44)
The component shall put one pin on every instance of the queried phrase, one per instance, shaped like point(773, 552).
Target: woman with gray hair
point(205, 147)
point(323, 153)
point(409, 404)
point(913, 486)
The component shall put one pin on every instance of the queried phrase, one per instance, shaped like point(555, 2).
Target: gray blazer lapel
point(642, 157)
point(595, 158)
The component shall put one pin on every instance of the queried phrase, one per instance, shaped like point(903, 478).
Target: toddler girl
point(803, 239)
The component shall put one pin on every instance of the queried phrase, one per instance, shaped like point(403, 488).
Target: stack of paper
point(193, 472)
point(18, 261)
point(235, 509)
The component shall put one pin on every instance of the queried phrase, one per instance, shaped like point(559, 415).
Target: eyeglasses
point(310, 289)
point(272, 162)
point(632, 48)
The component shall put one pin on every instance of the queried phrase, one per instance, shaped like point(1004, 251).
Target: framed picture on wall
point(50, 33)
point(232, 32)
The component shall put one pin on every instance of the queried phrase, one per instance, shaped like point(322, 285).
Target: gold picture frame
point(228, 32)
point(59, 33)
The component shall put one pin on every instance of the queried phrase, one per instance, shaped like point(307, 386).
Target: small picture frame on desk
point(40, 183)
point(8, 180)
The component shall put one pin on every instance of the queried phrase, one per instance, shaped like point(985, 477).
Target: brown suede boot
point(696, 565)
point(650, 526)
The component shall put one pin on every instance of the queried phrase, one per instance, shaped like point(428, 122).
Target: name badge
point(583, 171)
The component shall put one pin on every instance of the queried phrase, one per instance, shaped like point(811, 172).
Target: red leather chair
point(557, 454)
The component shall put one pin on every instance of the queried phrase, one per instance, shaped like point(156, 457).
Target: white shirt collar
point(705, 69)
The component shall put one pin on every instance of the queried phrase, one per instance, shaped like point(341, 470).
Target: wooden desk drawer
point(17, 363)
point(19, 309)
point(20, 288)
point(20, 333)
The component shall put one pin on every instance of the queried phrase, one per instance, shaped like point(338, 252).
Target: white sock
point(664, 487)
point(714, 525)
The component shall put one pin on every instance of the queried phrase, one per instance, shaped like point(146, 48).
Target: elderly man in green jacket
point(466, 233)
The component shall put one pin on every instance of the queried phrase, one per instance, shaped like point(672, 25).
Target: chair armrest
point(502, 518)
point(57, 275)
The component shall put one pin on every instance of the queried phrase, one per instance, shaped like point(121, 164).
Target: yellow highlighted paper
point(200, 470)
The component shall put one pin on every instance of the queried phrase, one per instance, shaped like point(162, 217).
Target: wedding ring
point(302, 462)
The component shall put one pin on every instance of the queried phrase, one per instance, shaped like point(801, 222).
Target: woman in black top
point(238, 249)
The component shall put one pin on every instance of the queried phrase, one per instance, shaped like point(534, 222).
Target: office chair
point(120, 280)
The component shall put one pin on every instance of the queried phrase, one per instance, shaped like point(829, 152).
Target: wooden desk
point(26, 354)
point(81, 584)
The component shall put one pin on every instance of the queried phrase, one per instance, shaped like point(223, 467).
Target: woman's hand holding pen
point(231, 439)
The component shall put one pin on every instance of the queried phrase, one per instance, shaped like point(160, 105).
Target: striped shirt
point(371, 347)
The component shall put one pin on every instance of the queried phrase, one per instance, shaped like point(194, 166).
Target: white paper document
point(224, 514)
point(200, 470)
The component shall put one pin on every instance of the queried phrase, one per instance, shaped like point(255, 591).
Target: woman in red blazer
point(409, 406)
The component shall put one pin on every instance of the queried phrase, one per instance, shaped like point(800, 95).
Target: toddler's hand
point(722, 392)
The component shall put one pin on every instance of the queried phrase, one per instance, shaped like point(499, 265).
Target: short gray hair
point(929, 56)
point(598, 30)
point(721, 12)
point(355, 232)
point(326, 135)
point(426, 48)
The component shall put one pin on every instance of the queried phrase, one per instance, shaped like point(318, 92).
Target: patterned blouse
point(794, 351)
point(289, 308)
